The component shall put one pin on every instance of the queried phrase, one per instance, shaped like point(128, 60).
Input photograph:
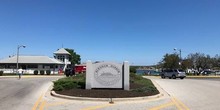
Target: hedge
point(35, 72)
point(41, 72)
point(1, 73)
point(48, 72)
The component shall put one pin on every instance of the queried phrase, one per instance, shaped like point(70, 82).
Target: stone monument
point(107, 75)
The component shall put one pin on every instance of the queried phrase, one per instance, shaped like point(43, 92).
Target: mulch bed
point(107, 93)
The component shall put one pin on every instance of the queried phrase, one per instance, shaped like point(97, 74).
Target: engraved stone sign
point(107, 75)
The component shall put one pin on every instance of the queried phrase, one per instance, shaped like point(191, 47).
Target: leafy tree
point(186, 64)
point(171, 61)
point(198, 61)
point(74, 57)
point(201, 61)
point(133, 69)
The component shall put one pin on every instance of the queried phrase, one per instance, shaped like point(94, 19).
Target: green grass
point(148, 86)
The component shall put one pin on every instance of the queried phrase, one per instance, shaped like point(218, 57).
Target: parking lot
point(176, 94)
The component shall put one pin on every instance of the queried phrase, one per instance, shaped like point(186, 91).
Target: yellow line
point(176, 103)
point(42, 105)
point(37, 102)
point(183, 105)
point(162, 106)
point(97, 107)
point(56, 104)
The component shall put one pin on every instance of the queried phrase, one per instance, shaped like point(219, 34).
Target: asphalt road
point(187, 94)
point(202, 94)
point(22, 94)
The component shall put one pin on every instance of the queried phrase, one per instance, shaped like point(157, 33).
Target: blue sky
point(139, 31)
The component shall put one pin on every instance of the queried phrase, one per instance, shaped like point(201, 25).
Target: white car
point(173, 73)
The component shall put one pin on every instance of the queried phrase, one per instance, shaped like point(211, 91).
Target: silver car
point(173, 73)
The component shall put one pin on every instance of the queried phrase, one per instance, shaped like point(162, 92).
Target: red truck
point(80, 68)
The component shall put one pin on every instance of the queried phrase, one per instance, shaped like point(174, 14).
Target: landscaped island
point(75, 86)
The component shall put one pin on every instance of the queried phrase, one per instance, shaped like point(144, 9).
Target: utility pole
point(19, 46)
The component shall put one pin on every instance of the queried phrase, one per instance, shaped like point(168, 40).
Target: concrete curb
point(53, 93)
point(30, 76)
point(202, 76)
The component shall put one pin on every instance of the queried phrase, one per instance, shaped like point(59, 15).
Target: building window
point(32, 66)
point(61, 57)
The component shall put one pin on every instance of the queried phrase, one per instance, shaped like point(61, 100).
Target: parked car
point(207, 72)
point(69, 72)
point(173, 73)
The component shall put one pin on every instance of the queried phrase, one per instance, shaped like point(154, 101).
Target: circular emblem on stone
point(107, 74)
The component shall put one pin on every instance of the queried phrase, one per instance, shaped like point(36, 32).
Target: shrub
point(1, 73)
point(70, 83)
point(133, 69)
point(148, 86)
point(58, 87)
point(48, 72)
point(35, 72)
point(134, 77)
point(41, 72)
point(78, 82)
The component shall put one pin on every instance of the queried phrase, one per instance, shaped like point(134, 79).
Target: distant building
point(32, 63)
point(63, 56)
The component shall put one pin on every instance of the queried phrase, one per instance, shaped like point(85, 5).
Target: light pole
point(19, 46)
point(180, 51)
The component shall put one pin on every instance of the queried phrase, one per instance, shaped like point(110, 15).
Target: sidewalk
point(31, 76)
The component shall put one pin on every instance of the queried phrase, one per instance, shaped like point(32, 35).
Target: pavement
point(175, 94)
point(32, 76)
point(187, 94)
point(21, 94)
point(78, 103)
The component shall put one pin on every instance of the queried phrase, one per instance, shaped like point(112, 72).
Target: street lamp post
point(19, 46)
point(180, 52)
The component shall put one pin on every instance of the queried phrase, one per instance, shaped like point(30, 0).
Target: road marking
point(163, 106)
point(42, 105)
point(56, 104)
point(37, 102)
point(183, 105)
point(97, 107)
point(176, 103)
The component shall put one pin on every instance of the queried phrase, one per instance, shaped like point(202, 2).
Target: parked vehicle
point(207, 72)
point(80, 68)
point(69, 72)
point(173, 73)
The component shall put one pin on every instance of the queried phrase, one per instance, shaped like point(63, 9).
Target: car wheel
point(174, 77)
point(162, 76)
point(182, 78)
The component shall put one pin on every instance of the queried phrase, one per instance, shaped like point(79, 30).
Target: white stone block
point(126, 75)
point(89, 74)
point(107, 75)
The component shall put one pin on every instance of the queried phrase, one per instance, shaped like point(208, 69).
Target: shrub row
point(42, 72)
point(76, 82)
point(148, 86)
point(1, 73)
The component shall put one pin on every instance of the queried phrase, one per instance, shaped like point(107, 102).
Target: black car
point(69, 72)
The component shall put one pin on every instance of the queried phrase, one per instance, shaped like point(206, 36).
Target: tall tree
point(74, 57)
point(171, 61)
point(186, 64)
